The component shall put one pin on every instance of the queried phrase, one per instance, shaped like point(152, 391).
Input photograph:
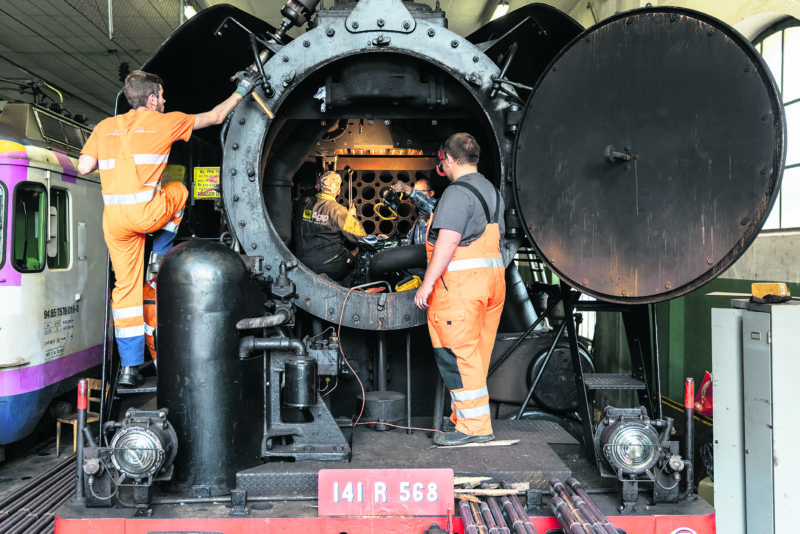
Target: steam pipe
point(560, 491)
point(564, 515)
point(488, 519)
point(278, 318)
point(380, 368)
point(250, 344)
point(521, 513)
point(497, 514)
point(466, 517)
point(576, 487)
point(517, 523)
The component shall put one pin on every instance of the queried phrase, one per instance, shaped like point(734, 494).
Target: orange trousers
point(125, 228)
point(463, 321)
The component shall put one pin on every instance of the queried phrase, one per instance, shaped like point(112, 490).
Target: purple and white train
point(52, 265)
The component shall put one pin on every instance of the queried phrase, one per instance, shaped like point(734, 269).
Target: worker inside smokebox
point(421, 195)
point(326, 232)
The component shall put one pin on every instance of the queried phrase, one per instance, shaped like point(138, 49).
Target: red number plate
point(385, 491)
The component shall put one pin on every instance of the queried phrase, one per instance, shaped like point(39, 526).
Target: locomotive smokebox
point(213, 398)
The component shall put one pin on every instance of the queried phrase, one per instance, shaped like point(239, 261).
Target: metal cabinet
point(756, 358)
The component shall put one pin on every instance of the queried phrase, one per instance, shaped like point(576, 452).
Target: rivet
point(475, 59)
point(330, 311)
point(232, 172)
point(306, 43)
point(710, 261)
point(235, 146)
point(431, 32)
point(269, 267)
point(285, 59)
point(454, 43)
point(254, 246)
point(406, 317)
point(330, 32)
point(356, 318)
point(242, 121)
point(236, 198)
point(354, 25)
point(381, 22)
point(308, 301)
point(668, 285)
point(242, 223)
point(406, 25)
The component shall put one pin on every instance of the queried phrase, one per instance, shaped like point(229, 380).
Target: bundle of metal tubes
point(31, 509)
point(494, 515)
point(576, 512)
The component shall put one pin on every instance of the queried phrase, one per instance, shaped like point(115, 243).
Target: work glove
point(246, 82)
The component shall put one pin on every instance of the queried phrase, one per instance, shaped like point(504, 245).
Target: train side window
point(58, 248)
point(29, 227)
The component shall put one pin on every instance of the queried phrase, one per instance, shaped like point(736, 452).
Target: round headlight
point(631, 447)
point(138, 452)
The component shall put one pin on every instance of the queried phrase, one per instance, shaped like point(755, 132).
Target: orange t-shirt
point(144, 146)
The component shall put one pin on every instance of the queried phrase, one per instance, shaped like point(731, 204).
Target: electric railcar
point(52, 265)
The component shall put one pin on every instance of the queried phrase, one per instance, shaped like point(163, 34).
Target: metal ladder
point(645, 378)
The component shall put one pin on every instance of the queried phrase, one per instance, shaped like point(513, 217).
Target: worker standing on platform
point(464, 287)
point(131, 152)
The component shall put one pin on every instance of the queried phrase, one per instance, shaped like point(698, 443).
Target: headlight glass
point(138, 452)
point(632, 448)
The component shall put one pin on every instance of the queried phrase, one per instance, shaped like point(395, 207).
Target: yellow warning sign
point(206, 180)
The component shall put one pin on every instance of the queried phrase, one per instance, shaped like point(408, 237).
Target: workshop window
point(780, 47)
point(29, 228)
point(58, 242)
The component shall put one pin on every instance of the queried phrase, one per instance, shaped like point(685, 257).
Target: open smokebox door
point(650, 155)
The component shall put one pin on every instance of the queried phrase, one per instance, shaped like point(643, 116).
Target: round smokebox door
point(649, 155)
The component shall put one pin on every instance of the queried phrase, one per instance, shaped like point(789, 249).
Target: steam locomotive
point(279, 391)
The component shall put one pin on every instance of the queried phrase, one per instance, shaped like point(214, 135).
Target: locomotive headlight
point(138, 452)
point(628, 441)
point(144, 446)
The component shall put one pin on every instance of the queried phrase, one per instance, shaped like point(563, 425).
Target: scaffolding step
point(611, 381)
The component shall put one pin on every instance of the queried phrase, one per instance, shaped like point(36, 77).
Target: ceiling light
point(501, 9)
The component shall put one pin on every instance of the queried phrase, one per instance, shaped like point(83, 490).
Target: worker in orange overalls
point(131, 152)
point(464, 287)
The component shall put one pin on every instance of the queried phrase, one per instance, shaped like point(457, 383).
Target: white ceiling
point(69, 47)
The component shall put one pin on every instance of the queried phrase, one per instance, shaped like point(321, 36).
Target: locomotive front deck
point(282, 496)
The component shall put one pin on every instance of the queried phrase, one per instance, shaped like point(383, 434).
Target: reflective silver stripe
point(130, 331)
point(152, 184)
point(149, 330)
point(469, 394)
point(179, 214)
point(475, 263)
point(170, 227)
point(150, 159)
point(131, 198)
point(127, 313)
point(473, 413)
point(106, 164)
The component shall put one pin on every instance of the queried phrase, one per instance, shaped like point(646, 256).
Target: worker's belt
point(128, 199)
point(475, 263)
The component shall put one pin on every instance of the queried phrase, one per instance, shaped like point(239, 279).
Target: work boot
point(153, 265)
point(130, 376)
point(448, 425)
point(459, 438)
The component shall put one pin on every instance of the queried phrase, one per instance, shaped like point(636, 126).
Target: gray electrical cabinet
point(755, 367)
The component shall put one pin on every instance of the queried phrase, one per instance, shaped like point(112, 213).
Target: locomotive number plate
point(381, 492)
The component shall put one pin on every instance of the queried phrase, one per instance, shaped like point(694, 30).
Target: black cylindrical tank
point(214, 399)
point(300, 378)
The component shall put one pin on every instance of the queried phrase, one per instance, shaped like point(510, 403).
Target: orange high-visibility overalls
point(132, 151)
point(464, 314)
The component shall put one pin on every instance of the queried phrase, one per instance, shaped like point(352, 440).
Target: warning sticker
point(206, 180)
